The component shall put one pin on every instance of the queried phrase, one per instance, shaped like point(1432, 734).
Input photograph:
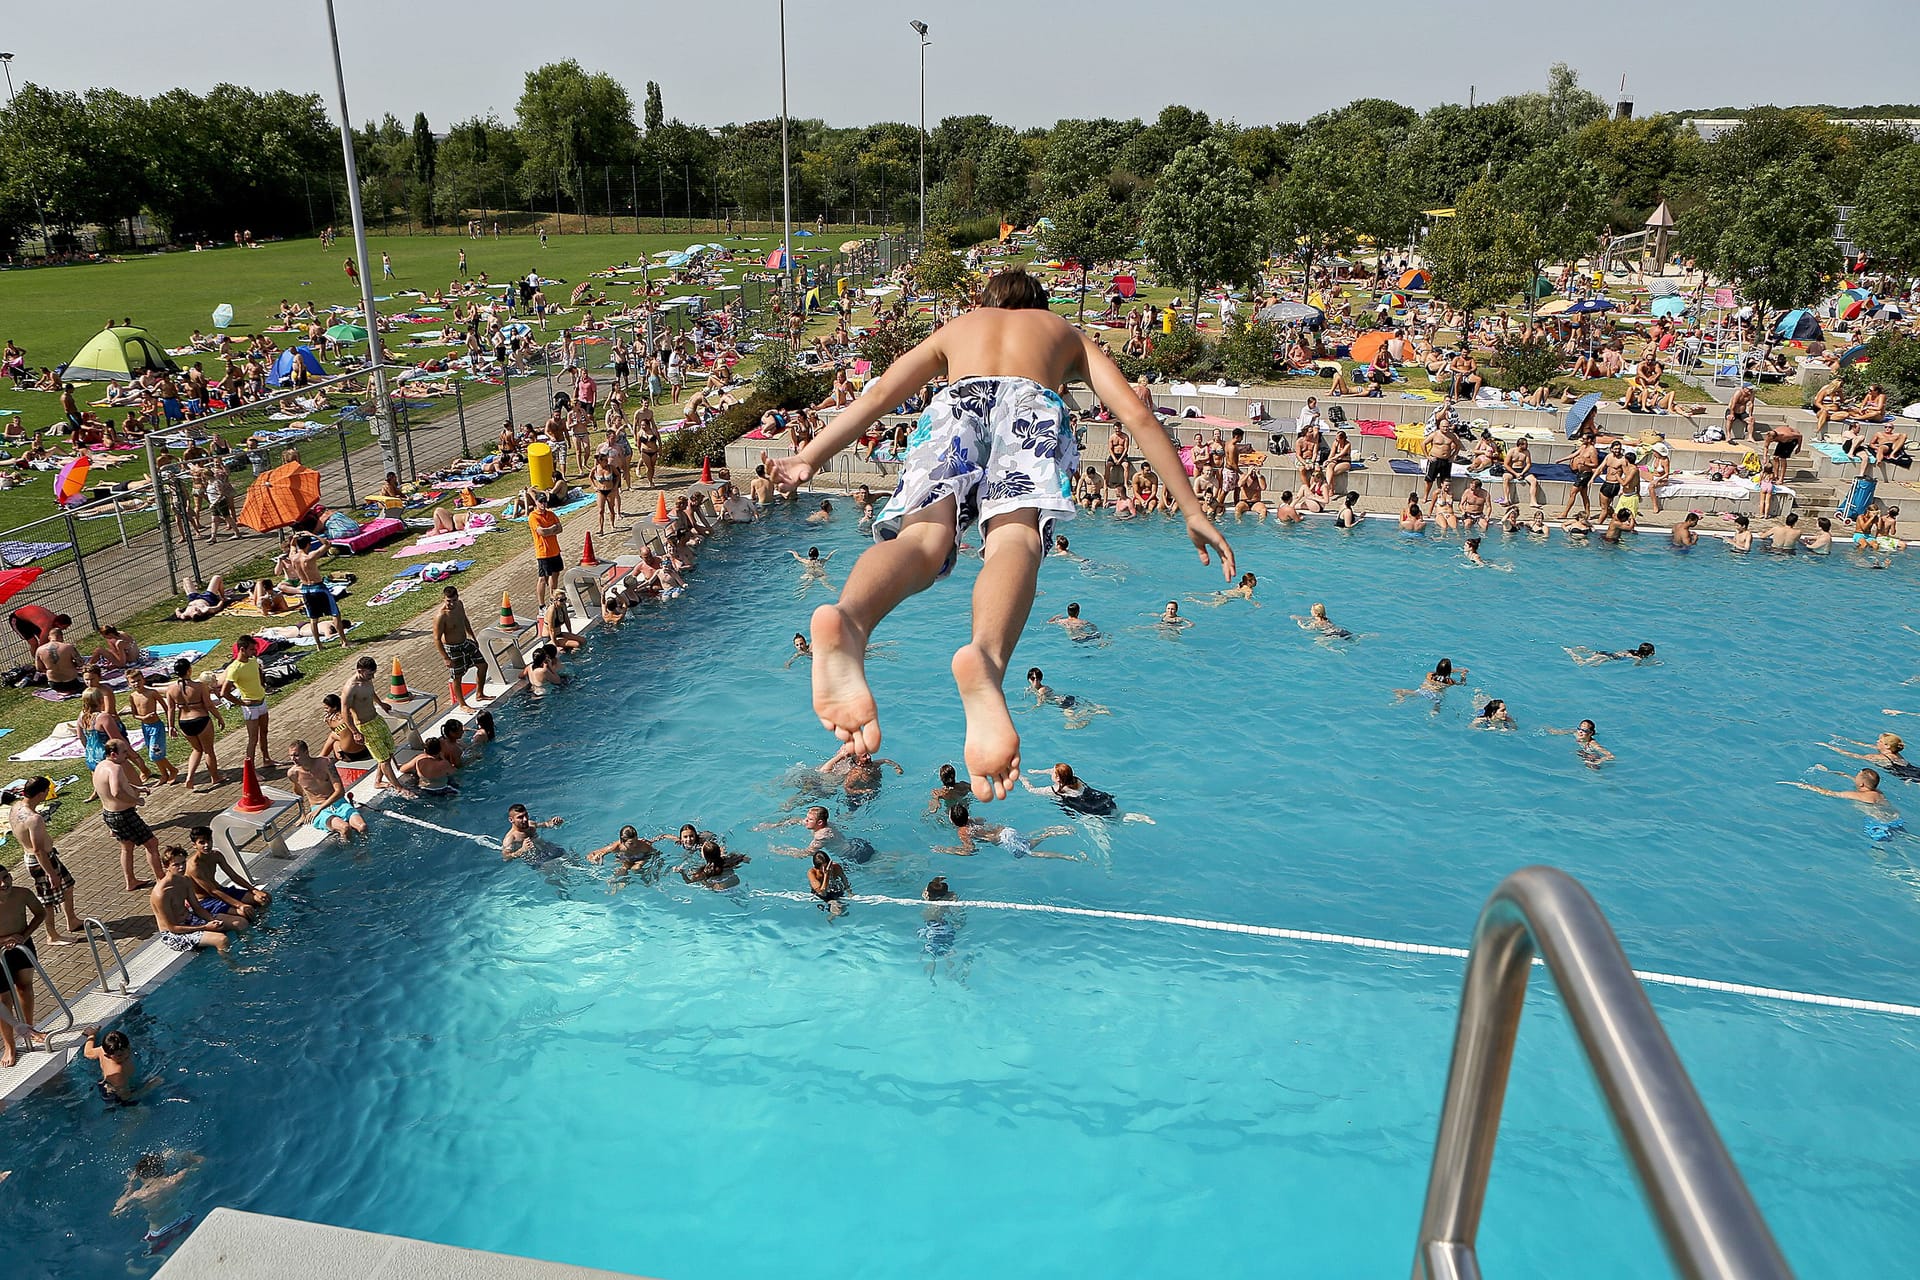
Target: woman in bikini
point(1339, 460)
point(646, 436)
point(606, 486)
point(191, 713)
point(343, 736)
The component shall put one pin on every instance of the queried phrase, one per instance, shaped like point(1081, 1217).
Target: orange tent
point(280, 497)
point(1367, 345)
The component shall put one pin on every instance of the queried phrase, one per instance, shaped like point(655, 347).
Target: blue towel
point(414, 572)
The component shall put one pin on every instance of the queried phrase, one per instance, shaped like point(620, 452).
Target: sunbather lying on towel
point(201, 602)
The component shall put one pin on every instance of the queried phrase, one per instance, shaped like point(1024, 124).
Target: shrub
point(1893, 361)
point(1246, 349)
point(800, 388)
point(1182, 354)
point(885, 343)
point(1523, 364)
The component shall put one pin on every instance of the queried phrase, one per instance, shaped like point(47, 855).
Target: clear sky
point(1025, 62)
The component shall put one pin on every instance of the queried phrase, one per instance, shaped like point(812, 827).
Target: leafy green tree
point(1560, 196)
point(941, 273)
point(45, 138)
point(1349, 177)
point(1885, 219)
point(1455, 146)
point(1485, 253)
point(1003, 178)
point(884, 343)
point(1204, 224)
point(1080, 155)
point(569, 119)
point(1641, 161)
point(425, 148)
point(1265, 151)
point(656, 111)
point(1150, 149)
point(1893, 363)
point(1563, 109)
point(1772, 234)
point(1088, 228)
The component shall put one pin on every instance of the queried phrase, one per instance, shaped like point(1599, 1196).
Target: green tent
point(1540, 288)
point(118, 355)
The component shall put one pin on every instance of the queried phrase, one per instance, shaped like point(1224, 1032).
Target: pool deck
point(231, 1245)
point(94, 856)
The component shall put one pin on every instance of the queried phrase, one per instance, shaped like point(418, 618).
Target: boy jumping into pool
point(995, 447)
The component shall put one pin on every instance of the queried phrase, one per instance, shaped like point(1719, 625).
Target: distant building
point(1710, 128)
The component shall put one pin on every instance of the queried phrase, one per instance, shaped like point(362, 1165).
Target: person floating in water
point(996, 447)
point(1640, 653)
point(859, 773)
point(972, 833)
point(114, 1053)
point(813, 568)
point(949, 790)
point(1076, 797)
point(1169, 619)
point(1242, 590)
point(716, 867)
point(629, 851)
point(826, 838)
point(1494, 716)
point(1889, 752)
point(1078, 711)
point(827, 881)
point(1076, 627)
point(801, 649)
point(1435, 684)
point(1865, 789)
point(1591, 753)
point(153, 1184)
point(523, 839)
point(1317, 620)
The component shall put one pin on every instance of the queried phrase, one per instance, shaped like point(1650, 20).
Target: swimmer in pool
point(632, 850)
point(1076, 627)
point(155, 1180)
point(1078, 711)
point(1640, 653)
point(1317, 620)
point(1889, 752)
point(1590, 751)
point(1169, 619)
point(813, 568)
point(1494, 716)
point(801, 649)
point(949, 790)
point(858, 772)
point(431, 771)
point(716, 867)
point(826, 839)
point(942, 927)
point(1865, 789)
point(827, 880)
point(1061, 548)
point(1472, 553)
point(1242, 590)
point(523, 839)
point(688, 837)
point(823, 515)
point(1686, 534)
point(1076, 797)
point(1742, 539)
point(972, 833)
point(1435, 683)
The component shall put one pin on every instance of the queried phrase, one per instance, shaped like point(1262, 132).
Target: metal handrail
point(88, 927)
point(13, 992)
point(1711, 1226)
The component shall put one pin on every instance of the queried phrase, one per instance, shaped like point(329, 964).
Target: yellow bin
point(540, 465)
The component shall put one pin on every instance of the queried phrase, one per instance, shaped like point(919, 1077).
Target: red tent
point(1125, 286)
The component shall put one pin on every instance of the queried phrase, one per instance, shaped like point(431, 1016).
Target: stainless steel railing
point(92, 926)
point(13, 992)
point(1712, 1228)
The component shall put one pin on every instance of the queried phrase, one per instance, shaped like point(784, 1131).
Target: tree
point(1204, 222)
point(1485, 253)
point(1885, 219)
point(1640, 161)
point(1772, 234)
point(941, 273)
point(1079, 156)
point(1088, 228)
point(1563, 109)
point(1454, 146)
point(424, 148)
point(1349, 176)
point(569, 119)
point(1559, 195)
point(1892, 362)
point(656, 109)
point(1002, 178)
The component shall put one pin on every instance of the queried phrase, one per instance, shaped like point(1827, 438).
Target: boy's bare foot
point(993, 746)
point(841, 697)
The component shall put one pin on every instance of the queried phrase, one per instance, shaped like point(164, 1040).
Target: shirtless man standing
point(304, 559)
point(20, 914)
point(459, 649)
point(61, 662)
point(1584, 462)
point(1441, 446)
point(52, 882)
point(120, 800)
point(362, 705)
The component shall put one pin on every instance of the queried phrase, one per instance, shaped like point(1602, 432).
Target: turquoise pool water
point(693, 1085)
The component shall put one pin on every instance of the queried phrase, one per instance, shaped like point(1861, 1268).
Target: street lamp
point(46, 241)
point(921, 27)
point(382, 407)
point(786, 184)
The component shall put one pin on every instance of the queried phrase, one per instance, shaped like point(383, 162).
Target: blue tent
point(282, 371)
point(1581, 409)
point(1801, 325)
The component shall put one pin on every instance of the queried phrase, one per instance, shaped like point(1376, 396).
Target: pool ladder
point(95, 931)
point(1707, 1218)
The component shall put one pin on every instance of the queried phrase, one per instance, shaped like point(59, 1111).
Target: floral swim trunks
point(995, 445)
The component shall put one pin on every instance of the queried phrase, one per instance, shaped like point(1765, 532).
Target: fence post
point(340, 431)
point(460, 410)
point(506, 384)
point(160, 511)
point(405, 421)
point(80, 567)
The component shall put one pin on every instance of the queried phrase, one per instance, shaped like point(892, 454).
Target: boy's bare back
point(995, 343)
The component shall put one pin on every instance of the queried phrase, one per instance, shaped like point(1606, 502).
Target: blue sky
point(1027, 63)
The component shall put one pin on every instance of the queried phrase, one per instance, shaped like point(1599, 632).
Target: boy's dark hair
point(200, 835)
point(1014, 290)
point(958, 813)
point(116, 1043)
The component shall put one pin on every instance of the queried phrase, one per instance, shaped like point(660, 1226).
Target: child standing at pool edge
point(995, 447)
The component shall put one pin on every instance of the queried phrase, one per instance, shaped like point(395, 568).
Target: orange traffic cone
point(252, 798)
point(397, 687)
point(706, 471)
point(587, 557)
point(660, 515)
point(506, 612)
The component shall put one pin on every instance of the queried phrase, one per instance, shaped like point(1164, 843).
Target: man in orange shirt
point(545, 527)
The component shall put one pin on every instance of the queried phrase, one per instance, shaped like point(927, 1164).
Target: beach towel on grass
point(21, 552)
point(436, 543)
point(416, 570)
point(578, 504)
point(61, 744)
point(394, 590)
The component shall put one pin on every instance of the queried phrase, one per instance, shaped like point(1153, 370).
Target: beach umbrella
point(14, 581)
point(1553, 308)
point(1852, 309)
point(282, 370)
point(666, 253)
point(1858, 294)
point(1670, 306)
point(1588, 306)
point(1582, 408)
point(1885, 311)
point(1540, 288)
point(1414, 279)
point(280, 497)
point(223, 315)
point(1367, 345)
point(1662, 288)
point(118, 355)
point(1291, 313)
point(1856, 352)
point(347, 333)
point(1394, 300)
point(71, 483)
point(851, 245)
point(1800, 325)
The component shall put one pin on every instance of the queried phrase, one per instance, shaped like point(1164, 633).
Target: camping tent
point(1540, 288)
point(118, 355)
point(280, 497)
point(282, 371)
point(1801, 325)
point(1367, 345)
point(778, 260)
point(1414, 279)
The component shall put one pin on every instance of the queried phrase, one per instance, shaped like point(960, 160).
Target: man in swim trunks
point(860, 773)
point(995, 447)
point(60, 661)
point(1784, 538)
point(20, 915)
point(1613, 476)
point(1441, 446)
point(52, 882)
point(120, 800)
point(304, 558)
point(523, 838)
point(459, 649)
point(1686, 533)
point(1865, 790)
point(182, 924)
point(361, 705)
point(1782, 441)
point(826, 838)
point(206, 864)
point(972, 833)
point(318, 782)
point(1739, 420)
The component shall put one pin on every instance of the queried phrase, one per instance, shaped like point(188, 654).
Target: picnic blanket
point(62, 744)
point(16, 553)
point(434, 543)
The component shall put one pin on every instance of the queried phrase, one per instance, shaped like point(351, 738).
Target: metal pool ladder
point(13, 993)
point(93, 925)
point(1711, 1226)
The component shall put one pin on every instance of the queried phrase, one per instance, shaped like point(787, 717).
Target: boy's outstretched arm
point(1114, 391)
point(906, 375)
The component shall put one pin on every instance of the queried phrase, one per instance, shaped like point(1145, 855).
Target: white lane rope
point(1356, 941)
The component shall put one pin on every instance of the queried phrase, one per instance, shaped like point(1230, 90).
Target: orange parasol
point(280, 497)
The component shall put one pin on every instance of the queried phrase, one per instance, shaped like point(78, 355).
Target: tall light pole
point(921, 27)
point(46, 241)
point(786, 182)
point(382, 407)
